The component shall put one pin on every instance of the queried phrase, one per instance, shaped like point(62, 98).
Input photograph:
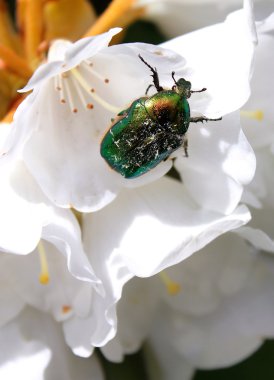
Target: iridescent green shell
point(146, 133)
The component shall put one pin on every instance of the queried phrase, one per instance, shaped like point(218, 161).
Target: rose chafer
point(151, 129)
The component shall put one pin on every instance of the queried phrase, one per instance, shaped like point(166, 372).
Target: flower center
point(172, 287)
point(70, 85)
point(255, 115)
point(44, 274)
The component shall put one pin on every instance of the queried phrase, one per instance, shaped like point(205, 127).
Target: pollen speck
point(65, 75)
point(58, 88)
point(90, 106)
point(66, 309)
point(90, 64)
point(75, 110)
point(63, 101)
point(92, 90)
point(106, 80)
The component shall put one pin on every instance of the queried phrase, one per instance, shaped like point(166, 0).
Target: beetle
point(150, 129)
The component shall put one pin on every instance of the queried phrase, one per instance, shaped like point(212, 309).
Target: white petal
point(23, 210)
point(66, 55)
point(163, 361)
point(257, 238)
point(220, 161)
point(69, 167)
point(139, 295)
point(158, 227)
point(240, 320)
point(11, 302)
point(58, 296)
point(261, 132)
point(20, 356)
point(219, 58)
point(42, 353)
point(63, 231)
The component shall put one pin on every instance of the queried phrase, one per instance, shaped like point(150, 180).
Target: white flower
point(60, 143)
point(33, 346)
point(144, 231)
point(220, 160)
point(150, 228)
point(28, 216)
point(218, 308)
point(69, 167)
point(43, 263)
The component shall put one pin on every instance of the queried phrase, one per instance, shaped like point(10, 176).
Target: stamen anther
point(257, 114)
point(66, 309)
point(96, 97)
point(172, 287)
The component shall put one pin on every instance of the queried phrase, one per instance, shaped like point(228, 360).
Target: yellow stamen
point(96, 97)
point(33, 30)
point(257, 114)
point(15, 63)
point(110, 17)
point(44, 275)
point(173, 288)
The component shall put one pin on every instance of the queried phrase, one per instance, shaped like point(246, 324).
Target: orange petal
point(67, 18)
point(111, 17)
point(14, 62)
point(8, 36)
point(33, 30)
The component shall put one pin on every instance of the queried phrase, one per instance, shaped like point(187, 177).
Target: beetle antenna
point(173, 77)
point(154, 75)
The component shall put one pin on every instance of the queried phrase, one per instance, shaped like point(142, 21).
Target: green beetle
point(151, 129)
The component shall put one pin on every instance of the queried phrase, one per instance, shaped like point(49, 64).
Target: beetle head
point(184, 87)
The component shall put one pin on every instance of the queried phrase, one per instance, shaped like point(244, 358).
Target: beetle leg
point(202, 90)
point(154, 75)
point(151, 85)
point(202, 119)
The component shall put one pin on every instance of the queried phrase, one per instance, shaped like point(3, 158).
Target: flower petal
point(219, 58)
point(220, 162)
point(66, 55)
point(159, 226)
